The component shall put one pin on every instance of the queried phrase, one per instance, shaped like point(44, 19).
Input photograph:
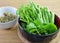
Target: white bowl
point(9, 24)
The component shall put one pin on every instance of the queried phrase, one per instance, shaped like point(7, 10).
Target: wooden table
point(10, 36)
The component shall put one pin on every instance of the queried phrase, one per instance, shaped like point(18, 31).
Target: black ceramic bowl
point(36, 38)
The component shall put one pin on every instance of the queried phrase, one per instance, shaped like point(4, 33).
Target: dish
point(11, 23)
point(32, 23)
point(37, 20)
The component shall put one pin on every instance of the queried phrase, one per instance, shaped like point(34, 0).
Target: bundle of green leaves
point(39, 21)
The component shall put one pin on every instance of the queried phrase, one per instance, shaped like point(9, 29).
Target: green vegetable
point(38, 20)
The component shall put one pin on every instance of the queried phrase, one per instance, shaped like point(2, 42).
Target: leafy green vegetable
point(39, 20)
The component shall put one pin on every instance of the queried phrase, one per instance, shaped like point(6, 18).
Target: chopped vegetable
point(38, 20)
point(7, 17)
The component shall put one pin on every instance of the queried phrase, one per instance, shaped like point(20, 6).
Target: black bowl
point(36, 38)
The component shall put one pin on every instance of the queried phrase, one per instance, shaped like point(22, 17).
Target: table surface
point(10, 36)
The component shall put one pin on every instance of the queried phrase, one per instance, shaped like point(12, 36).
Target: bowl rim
point(8, 7)
point(15, 15)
